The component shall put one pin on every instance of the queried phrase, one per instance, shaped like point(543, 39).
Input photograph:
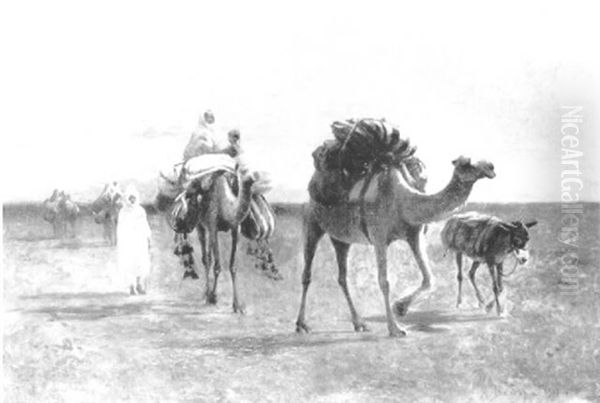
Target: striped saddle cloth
point(260, 223)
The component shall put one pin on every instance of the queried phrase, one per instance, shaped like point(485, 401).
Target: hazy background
point(112, 90)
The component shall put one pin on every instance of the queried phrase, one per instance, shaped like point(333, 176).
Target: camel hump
point(360, 149)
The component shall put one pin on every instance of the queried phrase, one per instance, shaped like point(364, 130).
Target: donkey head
point(519, 236)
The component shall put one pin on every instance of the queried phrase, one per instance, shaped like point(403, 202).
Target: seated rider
point(203, 141)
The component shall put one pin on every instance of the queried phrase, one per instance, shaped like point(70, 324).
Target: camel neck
point(419, 208)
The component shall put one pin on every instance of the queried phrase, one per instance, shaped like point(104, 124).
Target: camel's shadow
point(426, 321)
point(89, 306)
point(273, 344)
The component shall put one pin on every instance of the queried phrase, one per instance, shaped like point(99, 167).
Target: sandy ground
point(72, 334)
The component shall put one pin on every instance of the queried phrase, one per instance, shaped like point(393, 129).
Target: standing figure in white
point(133, 243)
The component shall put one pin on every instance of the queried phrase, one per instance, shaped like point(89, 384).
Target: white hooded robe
point(133, 237)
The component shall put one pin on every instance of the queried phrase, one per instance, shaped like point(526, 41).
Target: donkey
point(485, 239)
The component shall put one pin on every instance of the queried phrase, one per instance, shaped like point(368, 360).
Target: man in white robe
point(202, 140)
point(133, 243)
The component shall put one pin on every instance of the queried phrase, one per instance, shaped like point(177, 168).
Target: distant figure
point(105, 210)
point(133, 243)
point(202, 140)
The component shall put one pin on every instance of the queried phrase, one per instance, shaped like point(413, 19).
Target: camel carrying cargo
point(179, 183)
point(360, 149)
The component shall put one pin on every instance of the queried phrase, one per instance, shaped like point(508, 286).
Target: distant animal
point(105, 210)
point(50, 211)
point(62, 213)
point(485, 239)
point(68, 213)
point(399, 211)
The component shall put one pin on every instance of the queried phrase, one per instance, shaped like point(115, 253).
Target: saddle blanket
point(207, 164)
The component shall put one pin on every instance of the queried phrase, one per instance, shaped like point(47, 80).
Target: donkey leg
point(472, 272)
point(496, 288)
point(341, 253)
point(312, 235)
point(384, 285)
point(415, 242)
point(459, 278)
point(237, 306)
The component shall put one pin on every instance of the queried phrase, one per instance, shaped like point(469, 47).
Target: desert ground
point(72, 334)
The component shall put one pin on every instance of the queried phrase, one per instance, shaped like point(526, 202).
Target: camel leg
point(237, 306)
point(312, 235)
point(206, 259)
point(341, 253)
point(384, 285)
point(472, 272)
point(414, 239)
point(213, 241)
point(459, 278)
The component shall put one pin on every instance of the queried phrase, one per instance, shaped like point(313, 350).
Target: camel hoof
point(302, 327)
point(211, 299)
point(489, 307)
point(239, 308)
point(360, 327)
point(397, 332)
point(401, 307)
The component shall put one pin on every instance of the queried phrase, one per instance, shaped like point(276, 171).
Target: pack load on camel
point(181, 187)
point(360, 149)
point(185, 191)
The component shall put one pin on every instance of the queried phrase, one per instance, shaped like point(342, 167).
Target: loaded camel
point(399, 211)
point(62, 213)
point(220, 206)
point(221, 202)
point(223, 208)
point(50, 211)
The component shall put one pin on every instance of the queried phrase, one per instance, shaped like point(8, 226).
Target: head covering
point(206, 116)
point(132, 192)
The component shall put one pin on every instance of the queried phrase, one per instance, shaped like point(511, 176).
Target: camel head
point(467, 171)
point(248, 178)
point(258, 182)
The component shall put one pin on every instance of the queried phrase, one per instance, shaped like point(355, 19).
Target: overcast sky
point(96, 91)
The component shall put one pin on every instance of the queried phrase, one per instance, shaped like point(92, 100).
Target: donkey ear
point(531, 223)
point(506, 226)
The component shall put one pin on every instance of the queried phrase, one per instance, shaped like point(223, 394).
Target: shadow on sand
point(86, 306)
point(76, 243)
point(425, 321)
point(272, 344)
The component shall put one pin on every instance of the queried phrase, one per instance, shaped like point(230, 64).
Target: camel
point(399, 212)
point(68, 213)
point(61, 212)
point(50, 212)
point(105, 210)
point(222, 210)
